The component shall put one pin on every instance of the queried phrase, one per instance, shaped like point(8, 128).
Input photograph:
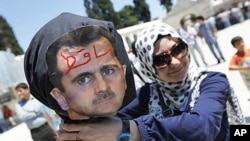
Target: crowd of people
point(224, 18)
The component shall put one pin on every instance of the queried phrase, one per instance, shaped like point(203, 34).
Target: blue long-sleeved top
point(206, 121)
point(31, 112)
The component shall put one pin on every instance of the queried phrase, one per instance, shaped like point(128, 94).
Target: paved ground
point(18, 133)
point(21, 132)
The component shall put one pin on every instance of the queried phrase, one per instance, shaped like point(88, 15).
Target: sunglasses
point(164, 59)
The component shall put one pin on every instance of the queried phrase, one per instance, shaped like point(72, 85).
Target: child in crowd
point(241, 59)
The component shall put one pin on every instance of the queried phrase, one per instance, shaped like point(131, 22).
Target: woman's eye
point(84, 80)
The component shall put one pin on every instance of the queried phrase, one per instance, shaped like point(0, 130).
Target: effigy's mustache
point(104, 95)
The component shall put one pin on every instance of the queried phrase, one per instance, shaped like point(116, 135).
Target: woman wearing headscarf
point(183, 102)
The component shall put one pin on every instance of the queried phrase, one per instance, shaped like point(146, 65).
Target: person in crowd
point(219, 24)
point(246, 7)
point(189, 34)
point(224, 15)
point(3, 124)
point(8, 115)
point(81, 71)
point(241, 59)
point(209, 33)
point(236, 13)
point(30, 111)
point(175, 105)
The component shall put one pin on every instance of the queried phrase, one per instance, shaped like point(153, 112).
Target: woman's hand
point(100, 129)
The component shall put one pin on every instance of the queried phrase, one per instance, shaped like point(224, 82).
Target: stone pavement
point(21, 132)
point(18, 133)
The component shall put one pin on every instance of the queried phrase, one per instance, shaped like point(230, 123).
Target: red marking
point(105, 53)
point(71, 59)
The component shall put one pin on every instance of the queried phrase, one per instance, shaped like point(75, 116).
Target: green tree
point(101, 9)
point(129, 15)
point(141, 10)
point(8, 39)
point(168, 4)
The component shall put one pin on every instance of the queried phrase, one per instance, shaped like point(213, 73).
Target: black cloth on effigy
point(35, 57)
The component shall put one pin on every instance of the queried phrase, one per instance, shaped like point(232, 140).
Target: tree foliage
point(8, 39)
point(129, 15)
point(142, 10)
point(101, 9)
point(168, 4)
point(126, 17)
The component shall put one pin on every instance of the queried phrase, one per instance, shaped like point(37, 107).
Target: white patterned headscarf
point(174, 94)
point(145, 46)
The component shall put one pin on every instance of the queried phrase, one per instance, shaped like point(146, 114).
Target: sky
point(26, 17)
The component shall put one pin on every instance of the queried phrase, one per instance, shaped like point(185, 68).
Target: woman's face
point(177, 67)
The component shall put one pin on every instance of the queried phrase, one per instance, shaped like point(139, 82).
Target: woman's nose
point(174, 61)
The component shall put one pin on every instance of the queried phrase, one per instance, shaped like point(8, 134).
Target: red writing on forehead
point(71, 60)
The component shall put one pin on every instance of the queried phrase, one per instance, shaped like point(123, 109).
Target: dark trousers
point(43, 133)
